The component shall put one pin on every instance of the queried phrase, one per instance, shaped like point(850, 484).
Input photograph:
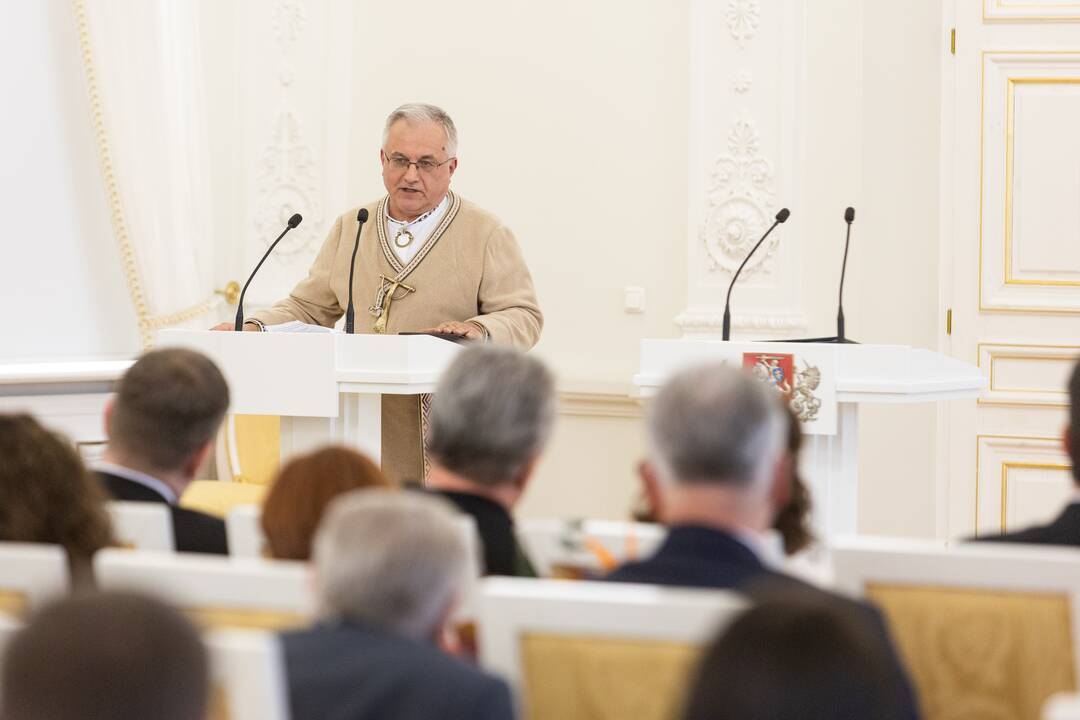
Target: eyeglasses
point(424, 165)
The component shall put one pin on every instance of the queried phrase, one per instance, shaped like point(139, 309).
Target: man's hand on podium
point(248, 326)
point(471, 331)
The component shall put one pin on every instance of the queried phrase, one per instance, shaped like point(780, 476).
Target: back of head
point(1074, 421)
point(390, 560)
point(809, 658)
point(168, 405)
point(492, 414)
point(105, 655)
point(714, 424)
point(46, 495)
point(302, 490)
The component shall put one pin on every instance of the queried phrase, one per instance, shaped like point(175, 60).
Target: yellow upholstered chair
point(30, 574)
point(216, 497)
point(987, 631)
point(215, 591)
point(248, 449)
point(597, 651)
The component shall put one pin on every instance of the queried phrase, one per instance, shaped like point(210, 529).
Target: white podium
point(327, 387)
point(851, 375)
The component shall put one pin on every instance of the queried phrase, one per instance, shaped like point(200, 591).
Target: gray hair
point(716, 424)
point(421, 113)
point(492, 414)
point(394, 560)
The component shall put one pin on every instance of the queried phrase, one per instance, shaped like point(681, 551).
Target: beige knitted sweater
point(470, 268)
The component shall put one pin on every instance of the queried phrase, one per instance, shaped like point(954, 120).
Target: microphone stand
point(238, 326)
point(780, 217)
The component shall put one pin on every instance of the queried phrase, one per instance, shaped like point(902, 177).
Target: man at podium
point(428, 261)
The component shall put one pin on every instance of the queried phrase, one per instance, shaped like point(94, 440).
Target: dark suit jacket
point(350, 672)
point(495, 526)
point(192, 531)
point(702, 557)
point(1063, 530)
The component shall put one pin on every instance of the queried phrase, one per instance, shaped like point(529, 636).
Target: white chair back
point(216, 591)
point(141, 525)
point(31, 574)
point(1063, 706)
point(248, 675)
point(585, 547)
point(246, 538)
point(469, 596)
point(512, 608)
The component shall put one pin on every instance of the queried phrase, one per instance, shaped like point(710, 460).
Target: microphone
point(361, 218)
point(849, 217)
point(293, 222)
point(781, 216)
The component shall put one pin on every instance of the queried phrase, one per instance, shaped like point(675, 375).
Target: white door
point(1011, 254)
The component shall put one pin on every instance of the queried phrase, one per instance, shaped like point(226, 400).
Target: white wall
point(60, 274)
point(574, 121)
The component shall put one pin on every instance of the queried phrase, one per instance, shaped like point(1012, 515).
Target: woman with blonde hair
point(47, 496)
point(302, 490)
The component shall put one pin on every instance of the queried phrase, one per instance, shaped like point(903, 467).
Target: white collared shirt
point(421, 230)
point(147, 481)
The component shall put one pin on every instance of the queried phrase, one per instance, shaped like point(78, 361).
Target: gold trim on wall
point(1010, 129)
point(1046, 357)
point(1045, 7)
point(983, 307)
point(1006, 465)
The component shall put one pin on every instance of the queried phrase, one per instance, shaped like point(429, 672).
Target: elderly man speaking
point(429, 260)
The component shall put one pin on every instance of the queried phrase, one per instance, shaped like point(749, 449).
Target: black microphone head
point(362, 216)
point(849, 215)
point(295, 220)
point(783, 215)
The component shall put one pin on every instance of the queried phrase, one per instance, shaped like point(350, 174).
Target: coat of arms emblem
point(798, 385)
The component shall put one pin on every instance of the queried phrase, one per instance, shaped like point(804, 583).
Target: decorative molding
point(289, 19)
point(743, 18)
point(1030, 11)
point(738, 203)
point(996, 456)
point(743, 81)
point(1041, 359)
point(698, 322)
point(288, 182)
point(1002, 286)
point(600, 405)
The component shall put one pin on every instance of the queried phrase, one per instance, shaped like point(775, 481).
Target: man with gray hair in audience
point(490, 420)
point(717, 475)
point(389, 569)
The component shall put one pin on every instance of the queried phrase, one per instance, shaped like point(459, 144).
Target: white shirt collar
point(768, 547)
point(135, 476)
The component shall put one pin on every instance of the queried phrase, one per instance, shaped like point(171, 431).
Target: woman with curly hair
point(47, 496)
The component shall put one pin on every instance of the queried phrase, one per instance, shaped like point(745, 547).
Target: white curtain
point(145, 78)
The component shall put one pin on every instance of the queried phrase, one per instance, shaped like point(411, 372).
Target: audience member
point(161, 427)
point(388, 571)
point(792, 520)
point(302, 490)
point(1065, 528)
point(717, 475)
point(46, 495)
point(796, 658)
point(491, 417)
point(105, 655)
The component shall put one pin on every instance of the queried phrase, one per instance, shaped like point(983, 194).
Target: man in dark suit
point(388, 574)
point(1065, 528)
point(161, 428)
point(718, 474)
point(490, 419)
